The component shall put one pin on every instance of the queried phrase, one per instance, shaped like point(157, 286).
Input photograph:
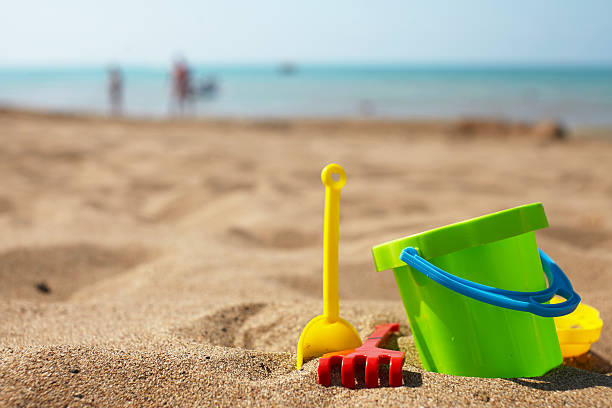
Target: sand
point(153, 263)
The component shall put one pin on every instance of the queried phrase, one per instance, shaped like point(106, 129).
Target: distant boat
point(287, 68)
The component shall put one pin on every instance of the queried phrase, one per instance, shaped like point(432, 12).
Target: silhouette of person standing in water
point(115, 90)
point(181, 85)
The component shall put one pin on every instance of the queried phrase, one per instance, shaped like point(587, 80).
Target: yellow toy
point(578, 330)
point(329, 332)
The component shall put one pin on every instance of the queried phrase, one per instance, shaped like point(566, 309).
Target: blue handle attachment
point(532, 302)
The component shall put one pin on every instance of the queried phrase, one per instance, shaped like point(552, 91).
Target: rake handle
point(380, 334)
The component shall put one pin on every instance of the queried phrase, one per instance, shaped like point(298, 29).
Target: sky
point(152, 32)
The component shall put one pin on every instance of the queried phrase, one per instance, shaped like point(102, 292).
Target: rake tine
point(395, 371)
point(371, 372)
point(324, 371)
point(326, 365)
point(347, 372)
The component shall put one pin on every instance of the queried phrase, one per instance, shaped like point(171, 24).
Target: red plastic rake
point(369, 355)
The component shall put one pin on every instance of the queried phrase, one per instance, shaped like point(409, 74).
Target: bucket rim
point(462, 235)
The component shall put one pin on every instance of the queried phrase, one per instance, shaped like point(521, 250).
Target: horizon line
point(322, 64)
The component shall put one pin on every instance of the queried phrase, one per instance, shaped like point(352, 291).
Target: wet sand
point(176, 262)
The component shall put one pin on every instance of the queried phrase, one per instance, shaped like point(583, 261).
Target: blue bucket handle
point(532, 302)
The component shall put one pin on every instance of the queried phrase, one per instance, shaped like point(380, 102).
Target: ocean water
point(576, 96)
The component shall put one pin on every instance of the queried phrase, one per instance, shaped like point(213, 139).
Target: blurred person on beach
point(115, 90)
point(181, 85)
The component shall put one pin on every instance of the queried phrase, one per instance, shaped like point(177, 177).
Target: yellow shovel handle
point(331, 237)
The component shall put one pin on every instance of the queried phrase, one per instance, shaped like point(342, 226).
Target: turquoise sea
point(578, 96)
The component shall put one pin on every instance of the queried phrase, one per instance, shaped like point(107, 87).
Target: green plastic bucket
point(459, 335)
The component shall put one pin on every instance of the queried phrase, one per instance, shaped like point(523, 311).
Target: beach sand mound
point(176, 263)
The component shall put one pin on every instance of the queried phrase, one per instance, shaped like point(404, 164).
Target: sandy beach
point(175, 263)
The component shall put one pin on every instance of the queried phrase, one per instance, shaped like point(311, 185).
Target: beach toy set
point(329, 335)
point(482, 300)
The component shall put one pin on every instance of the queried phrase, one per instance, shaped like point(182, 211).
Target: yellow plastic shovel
point(329, 332)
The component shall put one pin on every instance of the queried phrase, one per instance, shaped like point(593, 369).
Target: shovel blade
point(320, 336)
